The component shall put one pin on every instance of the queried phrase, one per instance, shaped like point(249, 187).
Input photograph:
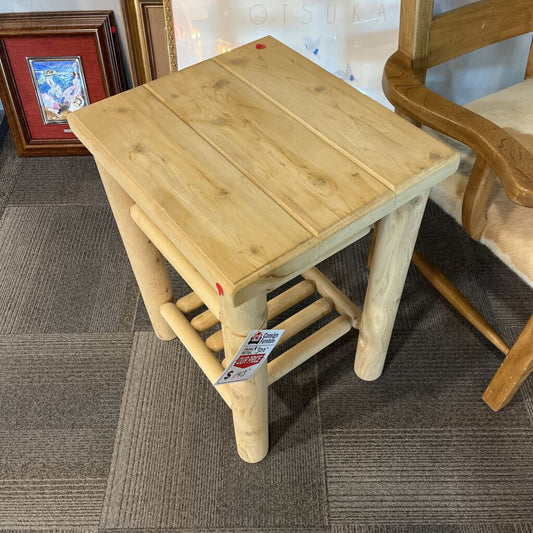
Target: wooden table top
point(258, 163)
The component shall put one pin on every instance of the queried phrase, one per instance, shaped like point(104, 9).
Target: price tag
point(250, 356)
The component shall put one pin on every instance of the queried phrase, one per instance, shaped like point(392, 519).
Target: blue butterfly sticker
point(347, 74)
point(313, 46)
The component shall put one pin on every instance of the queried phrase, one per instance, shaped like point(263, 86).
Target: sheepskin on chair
point(509, 230)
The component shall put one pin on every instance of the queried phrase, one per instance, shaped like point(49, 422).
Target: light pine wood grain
point(275, 307)
point(305, 349)
point(393, 151)
point(189, 302)
point(326, 288)
point(190, 275)
point(206, 190)
point(395, 241)
point(204, 205)
point(270, 147)
point(249, 399)
point(145, 259)
point(195, 345)
point(250, 169)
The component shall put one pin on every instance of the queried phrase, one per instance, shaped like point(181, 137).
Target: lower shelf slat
point(304, 350)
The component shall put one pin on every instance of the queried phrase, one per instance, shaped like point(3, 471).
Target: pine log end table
point(244, 172)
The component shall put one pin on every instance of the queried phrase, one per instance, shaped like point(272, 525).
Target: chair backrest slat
point(415, 23)
point(476, 25)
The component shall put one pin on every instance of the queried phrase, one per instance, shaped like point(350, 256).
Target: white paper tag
point(251, 355)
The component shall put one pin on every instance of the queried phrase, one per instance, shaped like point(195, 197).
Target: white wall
point(462, 80)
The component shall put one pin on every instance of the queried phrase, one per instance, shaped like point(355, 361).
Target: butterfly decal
point(313, 46)
point(347, 74)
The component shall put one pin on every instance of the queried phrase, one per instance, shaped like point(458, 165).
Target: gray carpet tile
point(418, 446)
point(9, 170)
point(48, 180)
point(407, 528)
point(175, 464)
point(64, 269)
point(60, 397)
point(526, 391)
point(438, 475)
point(305, 529)
point(432, 528)
point(429, 381)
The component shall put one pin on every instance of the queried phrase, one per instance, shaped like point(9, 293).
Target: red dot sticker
point(219, 289)
point(260, 46)
point(113, 29)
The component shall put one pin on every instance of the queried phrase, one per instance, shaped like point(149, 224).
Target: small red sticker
point(260, 46)
point(219, 289)
point(113, 29)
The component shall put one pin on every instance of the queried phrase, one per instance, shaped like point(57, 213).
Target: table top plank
point(227, 225)
point(392, 150)
point(259, 164)
point(316, 184)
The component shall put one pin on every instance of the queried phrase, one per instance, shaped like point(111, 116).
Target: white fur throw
point(509, 230)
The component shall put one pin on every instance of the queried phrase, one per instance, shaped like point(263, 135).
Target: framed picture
point(349, 39)
point(146, 37)
point(60, 86)
point(53, 63)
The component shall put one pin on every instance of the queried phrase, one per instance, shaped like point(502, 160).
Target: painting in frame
point(60, 86)
point(53, 63)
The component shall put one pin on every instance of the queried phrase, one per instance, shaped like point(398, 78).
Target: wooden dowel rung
point(311, 345)
point(342, 303)
point(275, 307)
point(290, 297)
point(189, 302)
point(204, 321)
point(191, 276)
point(195, 345)
point(304, 318)
point(458, 301)
point(292, 325)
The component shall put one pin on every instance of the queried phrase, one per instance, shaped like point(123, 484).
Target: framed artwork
point(52, 64)
point(351, 39)
point(146, 37)
point(60, 86)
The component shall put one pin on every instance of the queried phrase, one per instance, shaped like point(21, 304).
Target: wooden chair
point(496, 128)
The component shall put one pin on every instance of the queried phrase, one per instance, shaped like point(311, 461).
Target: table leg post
point(249, 399)
point(395, 240)
point(146, 261)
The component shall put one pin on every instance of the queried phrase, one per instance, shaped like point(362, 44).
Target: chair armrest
point(511, 161)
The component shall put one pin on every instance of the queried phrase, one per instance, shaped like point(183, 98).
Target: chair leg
point(458, 301)
point(477, 193)
point(514, 370)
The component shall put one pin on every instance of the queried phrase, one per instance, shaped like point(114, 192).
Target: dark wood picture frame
point(146, 37)
point(94, 28)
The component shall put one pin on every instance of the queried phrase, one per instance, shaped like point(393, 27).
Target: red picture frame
point(87, 35)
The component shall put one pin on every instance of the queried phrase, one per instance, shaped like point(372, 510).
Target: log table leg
point(249, 399)
point(146, 261)
point(395, 240)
